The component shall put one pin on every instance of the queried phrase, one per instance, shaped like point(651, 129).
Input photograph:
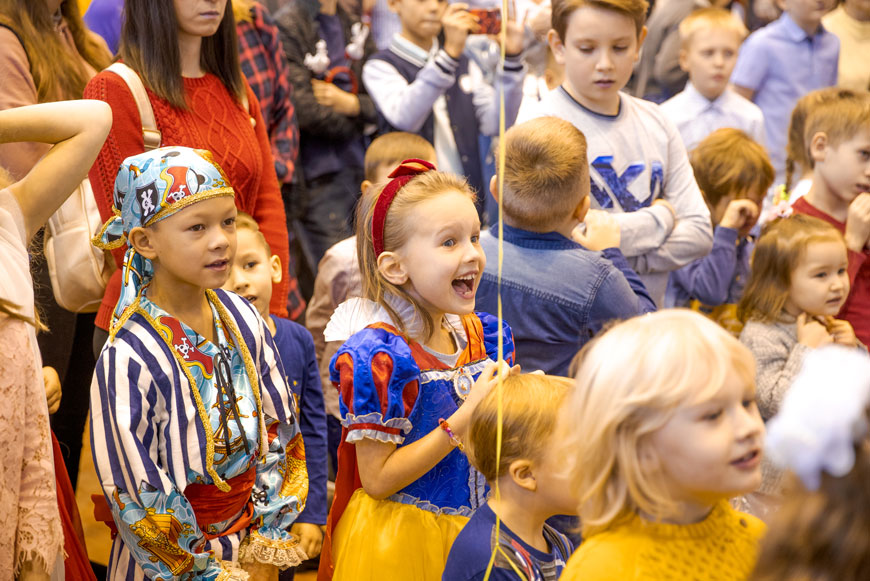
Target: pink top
point(30, 528)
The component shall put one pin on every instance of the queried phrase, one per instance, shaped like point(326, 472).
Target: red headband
point(407, 170)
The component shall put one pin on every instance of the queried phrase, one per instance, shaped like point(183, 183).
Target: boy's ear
point(364, 186)
point(640, 38)
point(141, 241)
point(684, 60)
point(391, 268)
point(819, 146)
point(493, 187)
point(556, 46)
point(275, 268)
point(521, 473)
point(582, 208)
point(393, 5)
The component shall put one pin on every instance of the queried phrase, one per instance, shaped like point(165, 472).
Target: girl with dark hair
point(186, 53)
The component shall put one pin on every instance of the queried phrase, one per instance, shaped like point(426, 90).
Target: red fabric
point(856, 310)
point(407, 170)
point(76, 565)
point(210, 505)
point(215, 121)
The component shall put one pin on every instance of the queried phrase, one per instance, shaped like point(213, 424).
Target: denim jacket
point(556, 294)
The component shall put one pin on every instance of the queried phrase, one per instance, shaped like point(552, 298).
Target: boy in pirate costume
point(194, 432)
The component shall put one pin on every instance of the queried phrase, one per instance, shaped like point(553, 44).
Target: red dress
point(214, 121)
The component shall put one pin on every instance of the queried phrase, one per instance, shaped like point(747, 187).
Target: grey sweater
point(778, 358)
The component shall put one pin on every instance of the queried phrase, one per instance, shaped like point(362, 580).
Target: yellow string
point(498, 387)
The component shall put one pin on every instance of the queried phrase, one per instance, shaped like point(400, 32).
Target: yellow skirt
point(382, 540)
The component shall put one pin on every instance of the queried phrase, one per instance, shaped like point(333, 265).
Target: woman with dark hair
point(186, 53)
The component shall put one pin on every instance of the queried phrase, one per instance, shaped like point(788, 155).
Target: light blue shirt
point(781, 63)
point(696, 117)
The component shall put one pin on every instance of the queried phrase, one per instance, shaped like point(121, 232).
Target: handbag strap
point(150, 133)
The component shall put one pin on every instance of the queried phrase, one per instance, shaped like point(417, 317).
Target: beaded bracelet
point(442, 423)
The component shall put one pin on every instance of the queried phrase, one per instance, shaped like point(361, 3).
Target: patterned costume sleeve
point(153, 518)
point(377, 379)
point(281, 488)
point(490, 337)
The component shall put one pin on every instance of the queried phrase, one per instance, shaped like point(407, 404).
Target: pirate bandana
point(149, 187)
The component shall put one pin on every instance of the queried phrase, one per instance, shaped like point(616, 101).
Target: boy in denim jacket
point(560, 284)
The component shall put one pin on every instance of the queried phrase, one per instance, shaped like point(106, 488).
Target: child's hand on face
point(811, 332)
point(740, 215)
point(457, 23)
point(52, 388)
point(602, 231)
point(858, 223)
point(310, 537)
point(842, 332)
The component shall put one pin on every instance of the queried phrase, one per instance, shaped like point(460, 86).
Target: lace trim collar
point(354, 315)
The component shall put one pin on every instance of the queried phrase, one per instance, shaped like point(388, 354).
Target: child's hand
point(858, 223)
point(842, 332)
point(602, 231)
point(52, 388)
point(487, 379)
point(811, 332)
point(457, 23)
point(740, 215)
point(515, 33)
point(260, 571)
point(329, 95)
point(666, 204)
point(310, 537)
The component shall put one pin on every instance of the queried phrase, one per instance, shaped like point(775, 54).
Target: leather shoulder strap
point(150, 133)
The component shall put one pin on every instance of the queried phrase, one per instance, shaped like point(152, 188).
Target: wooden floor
point(97, 534)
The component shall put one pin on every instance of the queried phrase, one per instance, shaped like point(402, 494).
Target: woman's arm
point(268, 210)
point(78, 130)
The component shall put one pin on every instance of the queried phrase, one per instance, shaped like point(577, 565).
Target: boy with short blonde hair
point(253, 270)
point(639, 169)
point(710, 40)
point(837, 133)
point(558, 286)
point(531, 488)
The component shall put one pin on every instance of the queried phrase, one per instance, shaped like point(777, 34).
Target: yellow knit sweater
point(722, 547)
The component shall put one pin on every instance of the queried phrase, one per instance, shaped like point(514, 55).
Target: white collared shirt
point(696, 117)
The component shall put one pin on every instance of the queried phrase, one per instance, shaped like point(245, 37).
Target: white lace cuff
point(282, 553)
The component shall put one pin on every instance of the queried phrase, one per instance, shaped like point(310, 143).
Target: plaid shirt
point(263, 62)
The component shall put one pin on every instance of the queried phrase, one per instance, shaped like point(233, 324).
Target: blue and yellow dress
point(394, 390)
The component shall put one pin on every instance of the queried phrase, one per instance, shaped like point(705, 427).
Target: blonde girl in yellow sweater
point(660, 432)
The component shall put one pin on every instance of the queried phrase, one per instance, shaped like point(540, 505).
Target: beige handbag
point(79, 271)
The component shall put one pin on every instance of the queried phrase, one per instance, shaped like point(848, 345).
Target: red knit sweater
point(215, 121)
point(857, 307)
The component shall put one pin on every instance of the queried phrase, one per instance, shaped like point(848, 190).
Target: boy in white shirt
point(710, 39)
point(639, 168)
